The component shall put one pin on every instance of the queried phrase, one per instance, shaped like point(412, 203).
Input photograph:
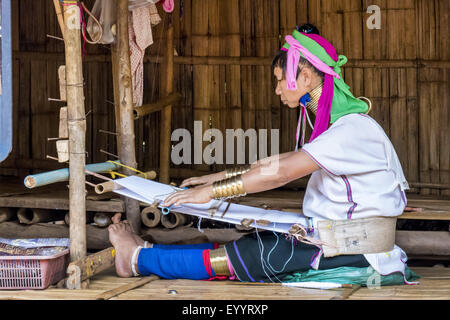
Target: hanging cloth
point(140, 23)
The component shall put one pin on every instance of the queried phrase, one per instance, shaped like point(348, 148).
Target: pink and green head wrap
point(336, 99)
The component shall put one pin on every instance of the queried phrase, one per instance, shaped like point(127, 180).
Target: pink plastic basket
point(32, 272)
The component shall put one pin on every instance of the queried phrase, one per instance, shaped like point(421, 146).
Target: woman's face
point(290, 97)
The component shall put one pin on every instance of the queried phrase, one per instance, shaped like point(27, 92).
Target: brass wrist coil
point(228, 188)
point(229, 173)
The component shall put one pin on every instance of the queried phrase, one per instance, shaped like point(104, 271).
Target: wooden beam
point(126, 287)
point(424, 242)
point(88, 267)
point(77, 131)
point(96, 238)
point(429, 185)
point(59, 202)
point(243, 61)
point(126, 150)
point(166, 116)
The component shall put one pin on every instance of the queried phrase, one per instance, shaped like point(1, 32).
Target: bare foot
point(116, 219)
point(124, 244)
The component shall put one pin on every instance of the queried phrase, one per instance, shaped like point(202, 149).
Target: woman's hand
point(203, 180)
point(200, 194)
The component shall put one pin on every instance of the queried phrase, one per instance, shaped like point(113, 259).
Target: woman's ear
point(304, 79)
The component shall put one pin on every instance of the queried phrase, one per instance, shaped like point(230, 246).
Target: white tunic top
point(360, 177)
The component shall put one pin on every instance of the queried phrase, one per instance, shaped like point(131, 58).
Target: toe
point(116, 218)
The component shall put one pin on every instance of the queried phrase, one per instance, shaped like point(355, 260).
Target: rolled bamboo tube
point(7, 214)
point(33, 215)
point(173, 220)
point(151, 216)
point(106, 187)
point(102, 219)
point(157, 106)
point(111, 185)
point(45, 178)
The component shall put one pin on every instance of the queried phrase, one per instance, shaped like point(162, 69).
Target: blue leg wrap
point(173, 264)
point(203, 246)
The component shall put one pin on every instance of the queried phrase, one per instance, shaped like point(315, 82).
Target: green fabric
point(351, 275)
point(343, 100)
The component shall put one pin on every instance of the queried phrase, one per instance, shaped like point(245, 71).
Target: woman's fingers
point(192, 182)
point(176, 200)
point(173, 198)
point(185, 183)
point(188, 182)
point(195, 195)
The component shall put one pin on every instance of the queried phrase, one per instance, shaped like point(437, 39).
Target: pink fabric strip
point(230, 268)
point(293, 57)
point(168, 5)
point(324, 44)
point(323, 108)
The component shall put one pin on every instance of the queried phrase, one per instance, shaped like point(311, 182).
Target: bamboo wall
point(403, 68)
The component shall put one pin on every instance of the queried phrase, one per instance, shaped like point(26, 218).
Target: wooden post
point(166, 115)
point(77, 132)
point(124, 112)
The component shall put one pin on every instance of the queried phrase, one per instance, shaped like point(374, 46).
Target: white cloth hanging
point(140, 22)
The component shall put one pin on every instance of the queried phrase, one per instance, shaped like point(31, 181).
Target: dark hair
point(308, 28)
point(280, 60)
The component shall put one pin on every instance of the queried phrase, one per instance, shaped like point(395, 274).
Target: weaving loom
point(151, 192)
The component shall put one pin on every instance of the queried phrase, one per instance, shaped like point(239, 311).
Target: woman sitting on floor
point(355, 174)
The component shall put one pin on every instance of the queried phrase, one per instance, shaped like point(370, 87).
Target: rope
point(113, 173)
point(96, 21)
point(299, 232)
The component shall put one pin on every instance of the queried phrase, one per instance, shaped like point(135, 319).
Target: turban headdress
point(336, 99)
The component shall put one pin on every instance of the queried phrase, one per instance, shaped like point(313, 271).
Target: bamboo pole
point(157, 106)
point(166, 116)
point(126, 137)
point(59, 15)
point(111, 185)
point(77, 132)
point(45, 178)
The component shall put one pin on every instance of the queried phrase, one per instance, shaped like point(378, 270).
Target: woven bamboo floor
point(434, 285)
